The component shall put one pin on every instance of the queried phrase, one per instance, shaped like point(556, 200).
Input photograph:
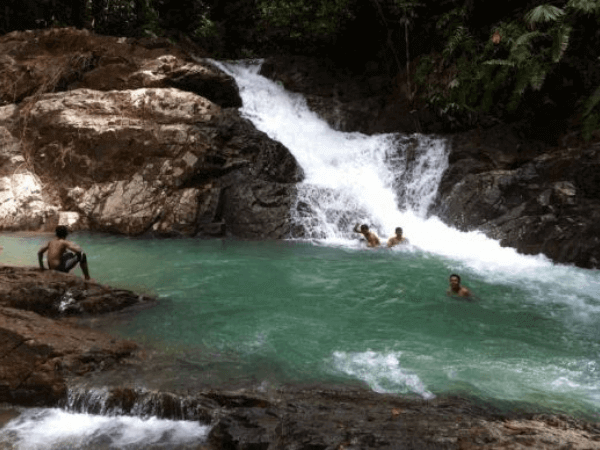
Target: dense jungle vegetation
point(471, 61)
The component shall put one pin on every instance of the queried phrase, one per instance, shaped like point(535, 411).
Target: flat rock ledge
point(48, 359)
point(41, 348)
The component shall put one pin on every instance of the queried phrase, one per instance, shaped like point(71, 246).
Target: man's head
point(399, 231)
point(454, 280)
point(62, 232)
point(364, 228)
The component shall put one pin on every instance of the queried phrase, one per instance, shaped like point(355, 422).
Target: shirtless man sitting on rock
point(63, 255)
point(372, 238)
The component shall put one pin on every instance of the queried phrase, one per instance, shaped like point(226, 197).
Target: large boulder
point(145, 144)
point(42, 61)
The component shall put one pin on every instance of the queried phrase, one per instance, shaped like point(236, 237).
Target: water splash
point(49, 429)
point(381, 371)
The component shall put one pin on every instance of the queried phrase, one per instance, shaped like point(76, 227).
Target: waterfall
point(385, 180)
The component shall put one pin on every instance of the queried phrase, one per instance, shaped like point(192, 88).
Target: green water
point(271, 313)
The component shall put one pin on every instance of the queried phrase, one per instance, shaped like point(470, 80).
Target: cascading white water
point(385, 181)
point(44, 429)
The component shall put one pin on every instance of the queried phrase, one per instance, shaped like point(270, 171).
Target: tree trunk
point(410, 94)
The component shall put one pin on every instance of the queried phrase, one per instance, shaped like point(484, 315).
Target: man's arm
point(73, 247)
point(356, 230)
point(41, 255)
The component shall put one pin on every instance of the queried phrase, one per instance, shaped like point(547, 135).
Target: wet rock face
point(38, 352)
point(335, 419)
point(367, 99)
point(139, 139)
point(531, 198)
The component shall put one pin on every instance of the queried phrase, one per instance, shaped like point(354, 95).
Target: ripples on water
point(236, 313)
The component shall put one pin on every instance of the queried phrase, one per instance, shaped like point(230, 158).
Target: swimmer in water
point(372, 238)
point(397, 238)
point(456, 288)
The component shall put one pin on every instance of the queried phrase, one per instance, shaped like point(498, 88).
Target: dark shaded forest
point(472, 62)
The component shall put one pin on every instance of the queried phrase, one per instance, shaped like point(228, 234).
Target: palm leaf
point(543, 13)
point(585, 6)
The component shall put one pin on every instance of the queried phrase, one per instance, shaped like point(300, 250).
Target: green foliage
point(149, 19)
point(461, 39)
point(543, 14)
point(591, 115)
point(560, 41)
point(585, 6)
point(501, 70)
point(303, 17)
point(408, 8)
point(206, 28)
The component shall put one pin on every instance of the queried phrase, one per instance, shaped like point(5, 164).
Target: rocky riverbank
point(41, 349)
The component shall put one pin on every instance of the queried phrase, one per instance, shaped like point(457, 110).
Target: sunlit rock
point(133, 137)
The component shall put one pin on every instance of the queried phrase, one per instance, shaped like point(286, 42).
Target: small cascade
point(139, 403)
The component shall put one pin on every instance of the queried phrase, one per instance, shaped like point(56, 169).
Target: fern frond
point(525, 38)
point(460, 35)
point(537, 75)
point(520, 52)
point(585, 6)
point(591, 102)
point(560, 42)
point(544, 13)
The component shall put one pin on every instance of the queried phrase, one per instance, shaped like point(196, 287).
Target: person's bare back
point(63, 255)
point(56, 249)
